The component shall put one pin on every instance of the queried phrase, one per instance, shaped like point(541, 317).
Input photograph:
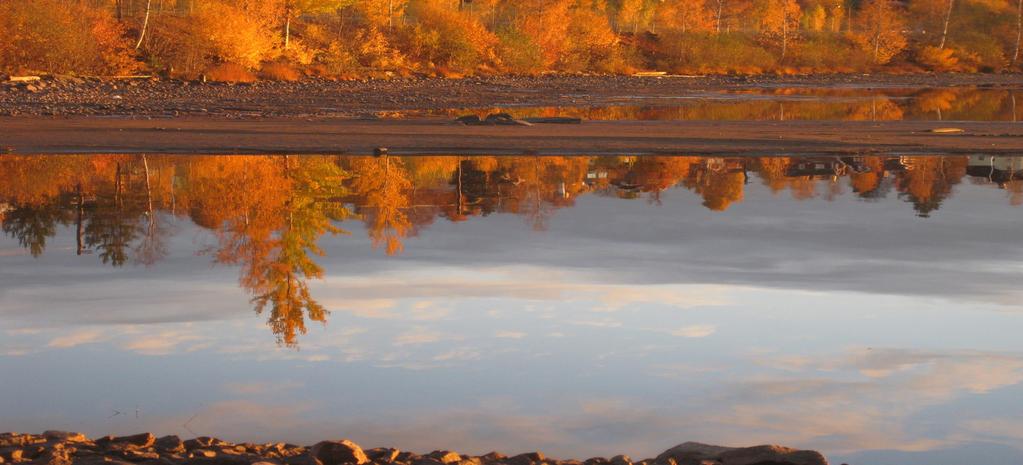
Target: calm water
point(867, 307)
point(784, 104)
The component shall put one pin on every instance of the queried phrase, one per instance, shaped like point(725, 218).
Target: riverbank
point(71, 96)
point(199, 135)
point(67, 448)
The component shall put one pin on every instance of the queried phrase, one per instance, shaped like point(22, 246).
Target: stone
point(621, 460)
point(169, 444)
point(694, 453)
point(691, 453)
point(426, 461)
point(65, 436)
point(445, 456)
point(14, 455)
point(140, 455)
point(202, 442)
point(56, 455)
point(137, 441)
point(337, 453)
point(596, 461)
point(771, 454)
point(19, 440)
point(383, 454)
point(203, 453)
point(528, 458)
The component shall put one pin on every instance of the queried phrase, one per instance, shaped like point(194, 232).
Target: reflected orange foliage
point(268, 213)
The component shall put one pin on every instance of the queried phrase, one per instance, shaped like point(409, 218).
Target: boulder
point(694, 453)
point(337, 453)
point(762, 455)
point(19, 440)
point(56, 455)
point(445, 456)
point(691, 453)
point(528, 458)
point(137, 441)
point(203, 442)
point(621, 460)
point(170, 444)
point(492, 457)
point(383, 454)
point(65, 436)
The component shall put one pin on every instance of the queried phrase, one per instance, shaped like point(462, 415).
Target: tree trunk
point(784, 28)
point(948, 17)
point(287, 31)
point(287, 24)
point(1019, 29)
point(145, 24)
point(120, 11)
point(717, 24)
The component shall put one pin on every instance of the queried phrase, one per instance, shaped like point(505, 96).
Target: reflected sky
point(864, 306)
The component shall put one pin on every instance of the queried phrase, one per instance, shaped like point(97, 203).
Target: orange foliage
point(277, 71)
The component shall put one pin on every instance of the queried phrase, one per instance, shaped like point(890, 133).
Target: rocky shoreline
point(67, 448)
point(167, 98)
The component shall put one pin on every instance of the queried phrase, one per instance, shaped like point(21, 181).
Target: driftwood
point(23, 78)
point(495, 119)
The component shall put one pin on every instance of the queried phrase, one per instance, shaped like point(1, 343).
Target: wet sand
point(209, 135)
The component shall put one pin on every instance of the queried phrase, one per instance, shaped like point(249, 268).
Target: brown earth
point(438, 136)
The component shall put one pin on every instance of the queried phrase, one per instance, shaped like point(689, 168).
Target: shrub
point(234, 35)
point(709, 53)
point(449, 39)
point(938, 59)
point(230, 72)
point(277, 71)
point(518, 53)
point(828, 53)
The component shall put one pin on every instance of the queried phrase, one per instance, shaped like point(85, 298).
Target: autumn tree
point(778, 22)
point(879, 29)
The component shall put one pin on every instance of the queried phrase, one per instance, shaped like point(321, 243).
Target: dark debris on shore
point(67, 448)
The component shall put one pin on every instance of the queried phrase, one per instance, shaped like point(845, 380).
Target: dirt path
point(433, 135)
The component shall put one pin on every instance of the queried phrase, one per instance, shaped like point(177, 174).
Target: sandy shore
point(205, 135)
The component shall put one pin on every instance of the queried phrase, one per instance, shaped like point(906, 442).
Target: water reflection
point(577, 305)
point(787, 104)
point(268, 213)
